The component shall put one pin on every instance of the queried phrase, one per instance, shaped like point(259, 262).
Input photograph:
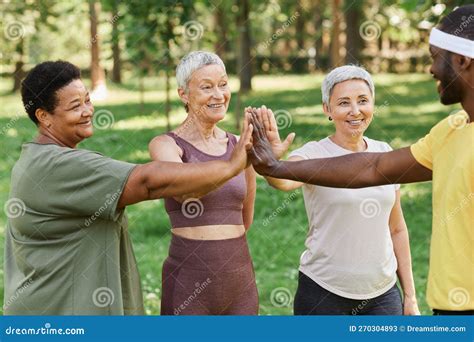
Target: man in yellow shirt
point(445, 156)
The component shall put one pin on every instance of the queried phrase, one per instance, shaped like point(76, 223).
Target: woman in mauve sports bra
point(209, 270)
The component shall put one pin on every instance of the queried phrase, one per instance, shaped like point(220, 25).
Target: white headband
point(450, 42)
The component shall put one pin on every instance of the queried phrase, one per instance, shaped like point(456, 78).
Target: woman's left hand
point(410, 307)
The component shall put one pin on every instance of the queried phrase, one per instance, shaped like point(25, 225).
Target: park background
point(276, 53)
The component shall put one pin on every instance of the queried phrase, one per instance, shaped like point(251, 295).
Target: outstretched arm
point(356, 170)
point(169, 179)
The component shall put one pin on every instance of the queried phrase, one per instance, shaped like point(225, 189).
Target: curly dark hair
point(38, 89)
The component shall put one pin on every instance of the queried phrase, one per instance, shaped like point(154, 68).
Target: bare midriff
point(213, 232)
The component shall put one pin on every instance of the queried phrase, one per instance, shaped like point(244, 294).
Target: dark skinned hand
point(261, 154)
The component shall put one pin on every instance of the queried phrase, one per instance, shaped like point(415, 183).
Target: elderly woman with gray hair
point(209, 270)
point(357, 241)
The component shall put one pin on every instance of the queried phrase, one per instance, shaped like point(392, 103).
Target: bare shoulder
point(164, 148)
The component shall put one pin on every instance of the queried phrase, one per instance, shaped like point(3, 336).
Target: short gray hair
point(345, 73)
point(193, 61)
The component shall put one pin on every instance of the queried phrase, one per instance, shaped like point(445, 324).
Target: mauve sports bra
point(221, 206)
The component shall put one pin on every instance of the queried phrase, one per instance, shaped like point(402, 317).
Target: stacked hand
point(239, 158)
point(261, 154)
point(267, 120)
point(261, 140)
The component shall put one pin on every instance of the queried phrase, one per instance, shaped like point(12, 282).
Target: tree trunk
point(238, 114)
point(221, 47)
point(318, 27)
point(169, 66)
point(354, 41)
point(117, 67)
point(300, 27)
point(244, 66)
point(97, 72)
point(336, 59)
point(19, 73)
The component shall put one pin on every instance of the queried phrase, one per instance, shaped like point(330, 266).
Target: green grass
point(407, 106)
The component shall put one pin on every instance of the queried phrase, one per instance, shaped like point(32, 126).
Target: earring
point(186, 107)
point(329, 118)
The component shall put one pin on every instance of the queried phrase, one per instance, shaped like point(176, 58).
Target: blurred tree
point(354, 43)
point(113, 6)
point(154, 29)
point(244, 59)
point(20, 20)
point(221, 15)
point(336, 59)
point(318, 16)
point(300, 32)
point(99, 87)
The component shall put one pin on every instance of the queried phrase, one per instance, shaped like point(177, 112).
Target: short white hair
point(345, 73)
point(193, 61)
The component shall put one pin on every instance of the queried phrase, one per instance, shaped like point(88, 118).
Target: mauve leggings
point(208, 277)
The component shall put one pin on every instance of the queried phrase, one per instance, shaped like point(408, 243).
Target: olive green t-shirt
point(67, 247)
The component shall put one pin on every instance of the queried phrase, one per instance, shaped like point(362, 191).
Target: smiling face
point(208, 93)
point(449, 88)
point(351, 107)
point(71, 121)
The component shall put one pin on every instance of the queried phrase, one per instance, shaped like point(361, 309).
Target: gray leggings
point(312, 299)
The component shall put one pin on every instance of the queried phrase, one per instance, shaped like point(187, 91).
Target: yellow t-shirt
point(448, 150)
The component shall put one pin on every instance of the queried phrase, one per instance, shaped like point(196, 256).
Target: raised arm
point(169, 179)
point(356, 170)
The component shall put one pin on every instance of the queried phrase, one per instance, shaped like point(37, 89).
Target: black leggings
point(312, 299)
point(452, 313)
